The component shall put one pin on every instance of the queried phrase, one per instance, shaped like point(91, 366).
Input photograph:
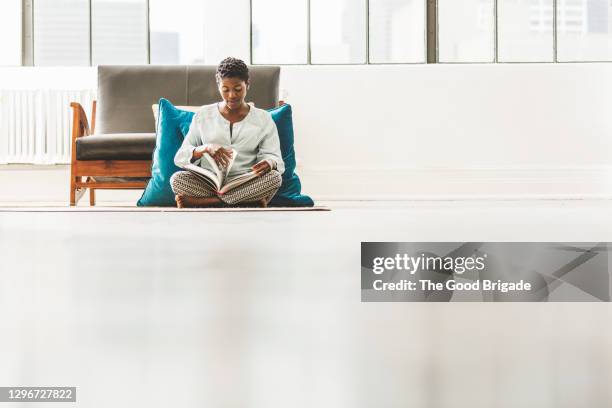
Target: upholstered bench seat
point(116, 146)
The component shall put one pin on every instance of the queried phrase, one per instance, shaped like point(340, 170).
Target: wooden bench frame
point(83, 173)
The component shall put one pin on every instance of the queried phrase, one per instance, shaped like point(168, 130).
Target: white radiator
point(35, 124)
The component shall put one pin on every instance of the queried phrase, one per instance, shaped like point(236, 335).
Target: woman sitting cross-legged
point(218, 128)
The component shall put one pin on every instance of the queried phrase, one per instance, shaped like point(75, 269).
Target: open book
point(217, 179)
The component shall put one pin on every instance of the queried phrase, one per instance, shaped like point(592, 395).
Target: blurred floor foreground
point(263, 310)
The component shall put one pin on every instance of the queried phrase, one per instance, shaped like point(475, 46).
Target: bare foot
point(183, 201)
point(179, 200)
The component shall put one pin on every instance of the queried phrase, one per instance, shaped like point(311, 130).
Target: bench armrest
point(80, 126)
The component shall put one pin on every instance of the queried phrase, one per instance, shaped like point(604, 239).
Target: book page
point(206, 175)
point(232, 160)
point(224, 171)
point(237, 181)
point(216, 169)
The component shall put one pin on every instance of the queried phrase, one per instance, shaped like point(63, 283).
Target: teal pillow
point(289, 194)
point(172, 126)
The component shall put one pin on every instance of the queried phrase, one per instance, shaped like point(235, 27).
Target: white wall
point(445, 131)
point(455, 115)
point(73, 78)
point(453, 130)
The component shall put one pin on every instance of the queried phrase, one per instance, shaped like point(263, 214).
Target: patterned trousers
point(185, 183)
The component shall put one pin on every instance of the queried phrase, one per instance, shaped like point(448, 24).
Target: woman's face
point(233, 91)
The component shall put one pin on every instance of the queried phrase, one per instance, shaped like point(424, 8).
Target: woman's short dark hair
point(232, 68)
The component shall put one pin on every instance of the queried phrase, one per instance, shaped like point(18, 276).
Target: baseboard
point(509, 182)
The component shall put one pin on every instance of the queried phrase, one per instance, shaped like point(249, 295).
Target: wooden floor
point(262, 309)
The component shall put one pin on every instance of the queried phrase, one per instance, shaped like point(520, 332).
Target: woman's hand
point(221, 155)
point(261, 168)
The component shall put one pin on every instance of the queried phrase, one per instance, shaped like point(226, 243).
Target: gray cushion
point(126, 93)
point(132, 146)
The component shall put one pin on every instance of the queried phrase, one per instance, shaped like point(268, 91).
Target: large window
point(226, 30)
point(177, 37)
point(10, 31)
point(198, 31)
point(397, 31)
point(584, 30)
point(92, 32)
point(466, 30)
point(525, 30)
point(338, 31)
point(119, 32)
point(280, 40)
point(61, 32)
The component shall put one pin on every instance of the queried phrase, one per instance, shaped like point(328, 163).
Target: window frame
point(28, 37)
point(431, 37)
